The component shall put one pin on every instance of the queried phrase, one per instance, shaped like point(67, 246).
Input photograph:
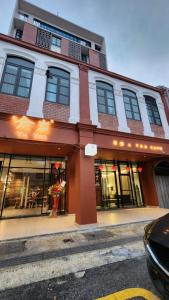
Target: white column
point(163, 117)
point(120, 109)
point(2, 64)
point(93, 104)
point(144, 115)
point(74, 100)
point(38, 90)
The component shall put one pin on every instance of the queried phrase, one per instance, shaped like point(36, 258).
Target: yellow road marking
point(129, 294)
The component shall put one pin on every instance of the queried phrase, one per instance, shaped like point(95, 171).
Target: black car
point(156, 240)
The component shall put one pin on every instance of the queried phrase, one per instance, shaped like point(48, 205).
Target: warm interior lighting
point(129, 145)
point(51, 121)
point(101, 167)
point(115, 143)
point(121, 144)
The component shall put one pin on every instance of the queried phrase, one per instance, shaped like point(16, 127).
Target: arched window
point(152, 109)
point(131, 105)
point(17, 77)
point(105, 98)
point(58, 86)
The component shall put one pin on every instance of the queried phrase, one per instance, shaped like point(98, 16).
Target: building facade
point(57, 98)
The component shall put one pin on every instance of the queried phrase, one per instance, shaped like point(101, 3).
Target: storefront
point(25, 183)
point(118, 184)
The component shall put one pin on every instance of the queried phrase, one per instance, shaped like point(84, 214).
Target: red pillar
point(148, 185)
point(81, 183)
point(84, 95)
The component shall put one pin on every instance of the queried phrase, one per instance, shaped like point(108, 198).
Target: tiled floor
point(25, 227)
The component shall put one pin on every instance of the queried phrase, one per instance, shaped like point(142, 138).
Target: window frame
point(58, 87)
point(151, 105)
point(131, 105)
point(18, 77)
point(106, 98)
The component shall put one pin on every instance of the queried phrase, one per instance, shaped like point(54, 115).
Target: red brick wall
point(136, 127)
point(13, 105)
point(55, 111)
point(29, 33)
point(94, 58)
point(108, 121)
point(65, 46)
point(158, 130)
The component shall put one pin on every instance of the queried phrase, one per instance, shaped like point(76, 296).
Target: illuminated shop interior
point(118, 184)
point(25, 182)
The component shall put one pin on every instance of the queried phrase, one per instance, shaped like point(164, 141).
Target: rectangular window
point(152, 109)
point(17, 79)
point(131, 105)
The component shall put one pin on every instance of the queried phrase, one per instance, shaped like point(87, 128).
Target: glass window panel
point(59, 72)
point(137, 116)
point(53, 79)
point(51, 97)
point(150, 112)
point(101, 108)
point(110, 102)
point(128, 114)
point(109, 94)
point(63, 99)
point(100, 92)
point(104, 85)
point(135, 109)
point(156, 114)
point(26, 73)
point(11, 69)
point(7, 88)
point(9, 78)
point(23, 92)
point(111, 110)
point(126, 100)
point(52, 88)
point(64, 82)
point(128, 93)
point(25, 82)
point(20, 62)
point(101, 100)
point(151, 119)
point(64, 91)
point(158, 121)
point(127, 106)
point(134, 101)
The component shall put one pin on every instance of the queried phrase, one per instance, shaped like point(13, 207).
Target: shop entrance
point(25, 183)
point(118, 184)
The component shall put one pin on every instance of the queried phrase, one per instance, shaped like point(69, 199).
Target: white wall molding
point(20, 53)
point(38, 90)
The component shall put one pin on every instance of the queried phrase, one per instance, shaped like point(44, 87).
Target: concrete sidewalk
point(37, 226)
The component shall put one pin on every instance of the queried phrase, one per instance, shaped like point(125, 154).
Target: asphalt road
point(94, 283)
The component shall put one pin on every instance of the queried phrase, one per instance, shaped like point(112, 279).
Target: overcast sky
point(136, 33)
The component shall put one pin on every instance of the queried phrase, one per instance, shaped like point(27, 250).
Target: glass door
point(25, 182)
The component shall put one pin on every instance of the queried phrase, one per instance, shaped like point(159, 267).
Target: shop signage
point(90, 149)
